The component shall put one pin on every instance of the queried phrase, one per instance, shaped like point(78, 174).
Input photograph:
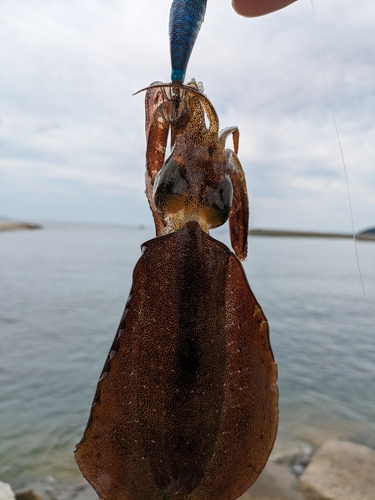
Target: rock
point(298, 470)
point(27, 495)
point(86, 493)
point(57, 491)
point(276, 482)
point(340, 470)
point(294, 456)
point(6, 492)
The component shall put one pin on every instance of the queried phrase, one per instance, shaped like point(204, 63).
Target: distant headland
point(7, 225)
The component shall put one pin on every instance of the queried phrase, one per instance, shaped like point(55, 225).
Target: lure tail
point(185, 20)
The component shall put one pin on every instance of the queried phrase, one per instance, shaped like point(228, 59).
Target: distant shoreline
point(6, 225)
point(308, 234)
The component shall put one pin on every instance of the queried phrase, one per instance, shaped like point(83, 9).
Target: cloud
point(70, 125)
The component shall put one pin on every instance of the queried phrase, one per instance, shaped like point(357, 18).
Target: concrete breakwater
point(337, 470)
point(309, 234)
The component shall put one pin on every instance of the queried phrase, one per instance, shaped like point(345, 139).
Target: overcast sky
point(72, 135)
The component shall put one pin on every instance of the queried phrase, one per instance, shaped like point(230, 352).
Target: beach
point(336, 470)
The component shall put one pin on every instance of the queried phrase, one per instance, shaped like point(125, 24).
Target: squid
point(186, 406)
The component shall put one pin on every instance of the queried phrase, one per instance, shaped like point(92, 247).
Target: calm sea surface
point(63, 290)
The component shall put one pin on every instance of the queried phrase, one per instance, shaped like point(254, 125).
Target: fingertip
point(256, 8)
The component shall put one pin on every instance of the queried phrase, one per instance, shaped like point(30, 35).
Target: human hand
point(255, 8)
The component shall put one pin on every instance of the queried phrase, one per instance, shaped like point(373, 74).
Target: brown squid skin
point(186, 406)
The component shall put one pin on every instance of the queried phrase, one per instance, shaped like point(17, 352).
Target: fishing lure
point(186, 405)
point(185, 20)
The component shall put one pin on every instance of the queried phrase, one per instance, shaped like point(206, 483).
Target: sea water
point(63, 290)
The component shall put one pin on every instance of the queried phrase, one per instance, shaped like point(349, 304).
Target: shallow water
point(62, 295)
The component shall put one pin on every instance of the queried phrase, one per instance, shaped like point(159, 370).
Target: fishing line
point(344, 166)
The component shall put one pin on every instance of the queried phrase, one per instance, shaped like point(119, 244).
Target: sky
point(72, 145)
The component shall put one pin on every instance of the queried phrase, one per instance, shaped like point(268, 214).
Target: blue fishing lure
point(185, 20)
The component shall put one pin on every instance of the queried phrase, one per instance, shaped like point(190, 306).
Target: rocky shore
point(337, 470)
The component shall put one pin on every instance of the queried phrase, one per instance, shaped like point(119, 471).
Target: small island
point(369, 232)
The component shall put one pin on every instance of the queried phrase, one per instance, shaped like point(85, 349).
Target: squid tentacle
point(236, 136)
point(239, 214)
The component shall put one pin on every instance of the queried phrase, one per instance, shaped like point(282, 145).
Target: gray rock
point(6, 492)
point(276, 482)
point(298, 470)
point(297, 455)
point(340, 470)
